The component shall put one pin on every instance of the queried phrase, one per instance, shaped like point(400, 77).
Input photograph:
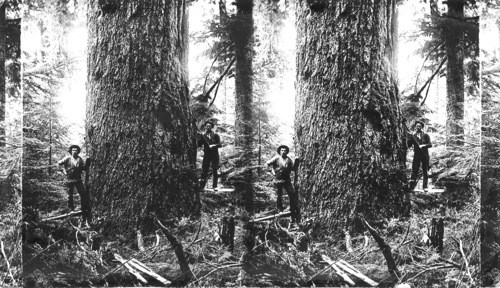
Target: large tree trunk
point(454, 42)
point(138, 123)
point(242, 31)
point(490, 178)
point(348, 128)
point(3, 55)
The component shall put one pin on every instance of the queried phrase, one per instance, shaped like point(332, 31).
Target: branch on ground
point(179, 252)
point(386, 249)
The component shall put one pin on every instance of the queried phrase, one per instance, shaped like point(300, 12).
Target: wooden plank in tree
point(219, 190)
point(434, 190)
point(282, 214)
point(58, 217)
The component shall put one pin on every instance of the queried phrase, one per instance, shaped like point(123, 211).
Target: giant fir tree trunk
point(347, 124)
point(242, 31)
point(138, 128)
point(454, 42)
point(3, 55)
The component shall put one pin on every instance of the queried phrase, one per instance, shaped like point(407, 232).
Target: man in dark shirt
point(281, 167)
point(211, 144)
point(73, 166)
point(420, 142)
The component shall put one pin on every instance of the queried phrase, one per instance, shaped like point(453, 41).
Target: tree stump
point(436, 234)
point(227, 232)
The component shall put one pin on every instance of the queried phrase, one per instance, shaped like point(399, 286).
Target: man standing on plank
point(73, 166)
point(420, 142)
point(281, 167)
point(211, 144)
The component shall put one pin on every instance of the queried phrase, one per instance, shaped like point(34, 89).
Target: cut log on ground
point(146, 270)
point(58, 217)
point(352, 270)
point(130, 269)
point(337, 269)
point(282, 214)
point(134, 267)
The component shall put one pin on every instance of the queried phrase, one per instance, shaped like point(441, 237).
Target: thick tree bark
point(490, 178)
point(138, 123)
point(242, 30)
point(454, 43)
point(348, 128)
point(3, 55)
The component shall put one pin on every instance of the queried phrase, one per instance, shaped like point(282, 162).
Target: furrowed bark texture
point(490, 177)
point(138, 128)
point(242, 31)
point(242, 34)
point(454, 42)
point(348, 129)
point(3, 55)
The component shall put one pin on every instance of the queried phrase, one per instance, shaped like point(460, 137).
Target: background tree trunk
point(348, 129)
point(242, 30)
point(454, 43)
point(138, 123)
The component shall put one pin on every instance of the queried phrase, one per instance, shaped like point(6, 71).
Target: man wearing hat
point(281, 167)
point(72, 167)
point(420, 142)
point(211, 144)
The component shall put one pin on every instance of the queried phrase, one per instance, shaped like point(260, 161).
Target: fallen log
point(282, 214)
point(130, 269)
point(146, 270)
point(352, 270)
point(58, 217)
point(337, 269)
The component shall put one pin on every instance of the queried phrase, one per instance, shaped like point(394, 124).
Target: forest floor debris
point(58, 252)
